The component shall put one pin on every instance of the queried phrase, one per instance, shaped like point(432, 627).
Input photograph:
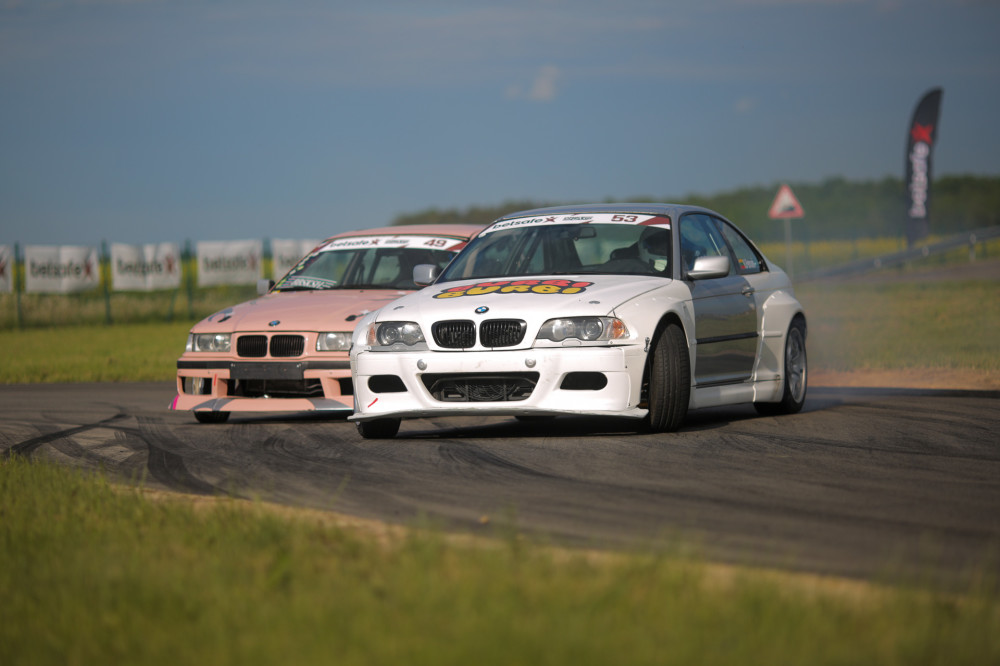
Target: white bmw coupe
point(633, 310)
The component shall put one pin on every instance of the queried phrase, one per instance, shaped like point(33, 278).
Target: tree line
point(834, 209)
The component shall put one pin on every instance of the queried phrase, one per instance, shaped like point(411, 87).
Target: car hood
point(534, 299)
point(331, 310)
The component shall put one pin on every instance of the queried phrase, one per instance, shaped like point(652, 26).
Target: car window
point(748, 261)
point(385, 268)
point(566, 249)
point(321, 270)
point(700, 237)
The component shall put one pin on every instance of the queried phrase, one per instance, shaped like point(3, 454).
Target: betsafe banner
point(229, 262)
point(6, 269)
point(145, 267)
point(920, 142)
point(61, 269)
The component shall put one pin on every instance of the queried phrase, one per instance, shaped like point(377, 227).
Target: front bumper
point(565, 380)
point(263, 386)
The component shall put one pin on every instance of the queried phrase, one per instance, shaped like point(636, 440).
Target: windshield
point(565, 249)
point(361, 268)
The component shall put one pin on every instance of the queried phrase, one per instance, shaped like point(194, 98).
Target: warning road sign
point(785, 206)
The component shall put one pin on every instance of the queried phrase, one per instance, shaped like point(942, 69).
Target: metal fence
point(965, 239)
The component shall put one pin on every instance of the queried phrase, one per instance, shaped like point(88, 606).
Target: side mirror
point(707, 268)
point(264, 285)
point(425, 274)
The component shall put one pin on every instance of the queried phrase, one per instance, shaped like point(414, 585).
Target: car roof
point(451, 230)
point(673, 211)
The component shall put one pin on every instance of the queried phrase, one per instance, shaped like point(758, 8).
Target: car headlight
point(337, 341)
point(208, 342)
point(398, 334)
point(588, 329)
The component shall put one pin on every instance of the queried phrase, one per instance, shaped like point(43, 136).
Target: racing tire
point(378, 428)
point(796, 375)
point(212, 417)
point(669, 367)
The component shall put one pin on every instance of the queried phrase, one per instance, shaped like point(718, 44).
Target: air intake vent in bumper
point(497, 387)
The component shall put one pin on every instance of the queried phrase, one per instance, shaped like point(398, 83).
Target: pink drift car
point(287, 350)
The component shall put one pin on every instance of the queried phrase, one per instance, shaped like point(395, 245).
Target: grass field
point(91, 574)
point(923, 325)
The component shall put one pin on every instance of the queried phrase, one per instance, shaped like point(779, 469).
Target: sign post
point(786, 207)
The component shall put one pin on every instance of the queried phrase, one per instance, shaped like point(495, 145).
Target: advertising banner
point(229, 262)
point(920, 139)
point(6, 269)
point(286, 253)
point(145, 267)
point(61, 269)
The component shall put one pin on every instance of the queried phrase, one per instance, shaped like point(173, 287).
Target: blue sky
point(154, 120)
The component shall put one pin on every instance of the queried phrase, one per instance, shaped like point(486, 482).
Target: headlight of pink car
point(333, 342)
point(208, 342)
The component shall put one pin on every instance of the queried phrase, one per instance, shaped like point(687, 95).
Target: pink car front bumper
point(265, 386)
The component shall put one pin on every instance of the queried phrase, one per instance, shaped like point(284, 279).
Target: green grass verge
point(94, 353)
point(90, 574)
point(859, 326)
point(812, 255)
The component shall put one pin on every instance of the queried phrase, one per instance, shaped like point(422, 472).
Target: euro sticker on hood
point(549, 294)
point(516, 287)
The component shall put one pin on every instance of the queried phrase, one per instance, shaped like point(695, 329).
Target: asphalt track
point(867, 483)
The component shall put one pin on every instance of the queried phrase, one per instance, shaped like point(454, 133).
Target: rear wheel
point(669, 387)
point(378, 428)
point(796, 374)
point(212, 417)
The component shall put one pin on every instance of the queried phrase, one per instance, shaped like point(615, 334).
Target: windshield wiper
point(373, 286)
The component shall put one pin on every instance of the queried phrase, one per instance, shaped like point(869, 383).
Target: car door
point(725, 310)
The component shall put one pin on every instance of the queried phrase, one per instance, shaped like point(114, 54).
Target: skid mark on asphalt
point(470, 454)
point(168, 467)
point(29, 446)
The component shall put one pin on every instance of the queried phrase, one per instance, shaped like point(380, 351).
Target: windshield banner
point(589, 218)
point(423, 242)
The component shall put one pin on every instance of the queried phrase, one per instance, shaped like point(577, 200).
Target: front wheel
point(669, 368)
point(796, 374)
point(378, 428)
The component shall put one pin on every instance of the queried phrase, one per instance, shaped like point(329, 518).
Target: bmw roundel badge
point(273, 323)
point(482, 309)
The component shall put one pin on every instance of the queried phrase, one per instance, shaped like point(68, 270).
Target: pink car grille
point(281, 346)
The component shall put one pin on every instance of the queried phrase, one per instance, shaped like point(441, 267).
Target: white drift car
point(634, 310)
